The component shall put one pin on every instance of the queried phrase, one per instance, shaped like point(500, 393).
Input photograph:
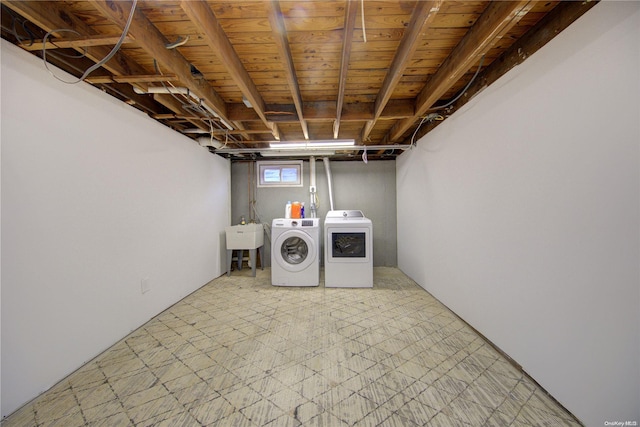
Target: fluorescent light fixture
point(296, 153)
point(335, 144)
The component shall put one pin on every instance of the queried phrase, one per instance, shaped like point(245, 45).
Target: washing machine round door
point(294, 250)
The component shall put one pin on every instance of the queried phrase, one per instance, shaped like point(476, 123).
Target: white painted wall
point(521, 212)
point(96, 197)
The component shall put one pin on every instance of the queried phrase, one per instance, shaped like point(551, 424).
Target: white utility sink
point(249, 236)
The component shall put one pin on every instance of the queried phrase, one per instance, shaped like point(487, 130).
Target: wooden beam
point(325, 111)
point(151, 78)
point(351, 10)
point(154, 43)
point(423, 16)
point(242, 132)
point(74, 43)
point(173, 116)
point(172, 104)
point(552, 24)
point(206, 23)
point(99, 79)
point(495, 21)
point(279, 32)
point(51, 15)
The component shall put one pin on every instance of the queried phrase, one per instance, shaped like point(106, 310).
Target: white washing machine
point(348, 250)
point(295, 252)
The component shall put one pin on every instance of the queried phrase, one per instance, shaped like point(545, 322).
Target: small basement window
point(284, 173)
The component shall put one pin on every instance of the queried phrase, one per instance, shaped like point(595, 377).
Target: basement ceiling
point(237, 75)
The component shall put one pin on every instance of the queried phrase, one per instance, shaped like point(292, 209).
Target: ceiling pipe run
point(182, 91)
point(205, 141)
point(327, 169)
point(309, 151)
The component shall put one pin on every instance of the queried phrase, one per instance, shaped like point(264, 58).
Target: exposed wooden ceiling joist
point(153, 41)
point(309, 69)
point(351, 9)
point(423, 15)
point(52, 15)
point(493, 23)
point(280, 37)
point(544, 31)
point(206, 22)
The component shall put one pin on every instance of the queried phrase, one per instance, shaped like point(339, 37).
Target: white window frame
point(277, 167)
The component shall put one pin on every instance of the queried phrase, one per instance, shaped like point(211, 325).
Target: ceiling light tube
point(312, 145)
point(296, 153)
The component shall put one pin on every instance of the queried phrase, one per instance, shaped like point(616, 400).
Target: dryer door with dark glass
point(347, 244)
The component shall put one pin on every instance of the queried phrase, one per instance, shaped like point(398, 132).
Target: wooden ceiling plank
point(51, 15)
point(496, 20)
point(423, 16)
point(351, 10)
point(154, 43)
point(279, 32)
point(205, 20)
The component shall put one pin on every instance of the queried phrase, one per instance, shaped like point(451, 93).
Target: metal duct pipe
point(329, 181)
point(312, 187)
point(312, 168)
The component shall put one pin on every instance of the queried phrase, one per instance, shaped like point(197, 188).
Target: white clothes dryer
point(295, 252)
point(348, 250)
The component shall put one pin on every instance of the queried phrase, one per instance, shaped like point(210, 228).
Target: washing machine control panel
point(302, 223)
point(307, 223)
point(295, 223)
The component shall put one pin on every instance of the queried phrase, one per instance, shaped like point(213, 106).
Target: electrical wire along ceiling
point(236, 76)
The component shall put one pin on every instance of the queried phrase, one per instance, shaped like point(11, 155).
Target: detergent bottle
point(287, 210)
point(295, 210)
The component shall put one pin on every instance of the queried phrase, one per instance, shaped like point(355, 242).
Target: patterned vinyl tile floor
point(240, 352)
